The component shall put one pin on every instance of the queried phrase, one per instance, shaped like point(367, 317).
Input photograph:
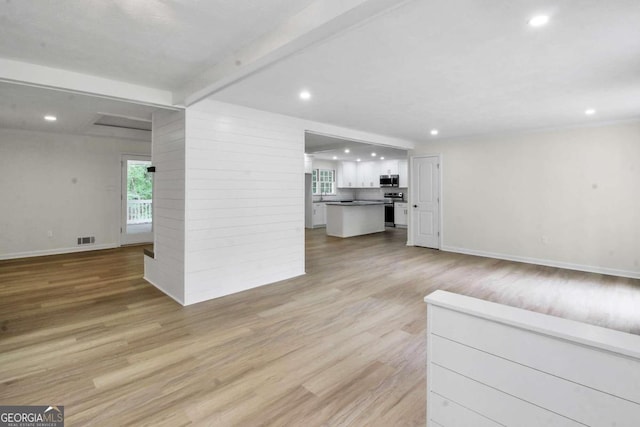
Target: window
point(323, 181)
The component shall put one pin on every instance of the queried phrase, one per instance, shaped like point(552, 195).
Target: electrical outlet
point(50, 233)
point(545, 240)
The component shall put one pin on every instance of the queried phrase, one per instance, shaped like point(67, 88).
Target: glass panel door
point(137, 200)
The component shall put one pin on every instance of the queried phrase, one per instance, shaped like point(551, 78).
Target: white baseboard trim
point(545, 262)
point(58, 251)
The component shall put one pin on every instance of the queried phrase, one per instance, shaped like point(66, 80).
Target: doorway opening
point(340, 169)
point(137, 200)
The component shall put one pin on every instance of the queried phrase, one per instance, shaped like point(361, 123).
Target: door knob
point(415, 206)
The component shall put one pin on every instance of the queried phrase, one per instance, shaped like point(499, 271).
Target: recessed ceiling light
point(381, 158)
point(50, 118)
point(373, 154)
point(539, 20)
point(590, 112)
point(346, 150)
point(305, 95)
point(434, 132)
point(335, 157)
point(357, 160)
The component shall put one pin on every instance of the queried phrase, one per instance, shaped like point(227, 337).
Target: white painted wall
point(166, 270)
point(566, 198)
point(324, 164)
point(66, 184)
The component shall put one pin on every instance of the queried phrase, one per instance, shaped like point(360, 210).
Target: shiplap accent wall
point(494, 365)
point(166, 271)
point(245, 192)
point(229, 198)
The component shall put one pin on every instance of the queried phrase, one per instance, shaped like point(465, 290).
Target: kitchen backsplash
point(361, 194)
point(342, 194)
point(378, 193)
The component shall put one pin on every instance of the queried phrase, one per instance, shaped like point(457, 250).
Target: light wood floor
point(342, 345)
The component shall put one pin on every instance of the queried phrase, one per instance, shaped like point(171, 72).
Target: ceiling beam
point(71, 81)
point(317, 22)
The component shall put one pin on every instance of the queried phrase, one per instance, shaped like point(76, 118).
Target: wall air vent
point(123, 122)
point(86, 240)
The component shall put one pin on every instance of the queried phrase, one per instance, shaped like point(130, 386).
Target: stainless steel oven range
point(389, 199)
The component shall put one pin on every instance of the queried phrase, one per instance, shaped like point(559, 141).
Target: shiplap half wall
point(166, 271)
point(493, 365)
point(245, 187)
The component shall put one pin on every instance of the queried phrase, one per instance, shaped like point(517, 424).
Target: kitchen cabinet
point(403, 172)
point(319, 215)
point(400, 214)
point(389, 167)
point(355, 218)
point(368, 175)
point(396, 167)
point(347, 175)
point(308, 163)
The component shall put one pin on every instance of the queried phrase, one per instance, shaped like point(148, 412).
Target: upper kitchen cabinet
point(396, 167)
point(347, 175)
point(368, 175)
point(308, 163)
point(403, 172)
point(389, 167)
point(377, 159)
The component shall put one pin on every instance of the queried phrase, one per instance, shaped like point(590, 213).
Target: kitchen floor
point(342, 345)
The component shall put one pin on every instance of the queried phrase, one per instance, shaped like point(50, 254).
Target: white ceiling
point(328, 147)
point(465, 67)
point(157, 43)
point(24, 107)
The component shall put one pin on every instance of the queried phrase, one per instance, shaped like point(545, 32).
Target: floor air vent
point(86, 240)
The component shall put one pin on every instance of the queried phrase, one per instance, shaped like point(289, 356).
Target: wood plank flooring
point(342, 345)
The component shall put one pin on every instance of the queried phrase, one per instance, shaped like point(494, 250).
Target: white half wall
point(56, 188)
point(566, 198)
point(491, 365)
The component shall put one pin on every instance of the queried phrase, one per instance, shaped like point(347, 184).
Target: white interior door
point(425, 201)
point(137, 201)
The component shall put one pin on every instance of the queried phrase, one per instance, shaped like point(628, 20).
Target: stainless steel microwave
point(389, 180)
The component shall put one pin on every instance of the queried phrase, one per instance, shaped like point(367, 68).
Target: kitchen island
point(347, 219)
